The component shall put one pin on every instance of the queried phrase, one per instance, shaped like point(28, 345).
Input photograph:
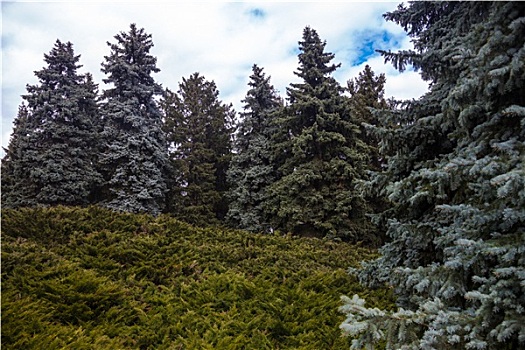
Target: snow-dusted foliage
point(456, 180)
point(134, 159)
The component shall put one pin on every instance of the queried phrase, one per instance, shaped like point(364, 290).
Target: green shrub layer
point(94, 279)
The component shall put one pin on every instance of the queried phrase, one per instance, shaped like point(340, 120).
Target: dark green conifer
point(17, 188)
point(134, 159)
point(51, 157)
point(252, 170)
point(199, 128)
point(367, 105)
point(456, 179)
point(366, 100)
point(322, 156)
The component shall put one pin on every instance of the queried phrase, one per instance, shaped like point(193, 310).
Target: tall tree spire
point(134, 159)
point(199, 127)
point(322, 159)
point(252, 169)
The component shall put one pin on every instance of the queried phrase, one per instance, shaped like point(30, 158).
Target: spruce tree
point(366, 100)
point(18, 190)
point(51, 156)
point(252, 169)
point(456, 179)
point(134, 159)
point(368, 105)
point(199, 128)
point(321, 153)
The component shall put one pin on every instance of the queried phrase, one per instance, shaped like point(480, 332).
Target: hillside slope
point(95, 279)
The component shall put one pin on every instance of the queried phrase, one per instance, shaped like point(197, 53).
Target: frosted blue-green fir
point(51, 157)
point(251, 170)
point(134, 158)
point(455, 255)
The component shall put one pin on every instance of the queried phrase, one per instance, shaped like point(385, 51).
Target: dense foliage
point(95, 279)
point(131, 151)
point(134, 157)
point(199, 128)
point(252, 168)
point(52, 154)
point(366, 101)
point(456, 179)
point(321, 158)
point(445, 172)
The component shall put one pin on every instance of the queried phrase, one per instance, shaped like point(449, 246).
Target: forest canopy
point(141, 148)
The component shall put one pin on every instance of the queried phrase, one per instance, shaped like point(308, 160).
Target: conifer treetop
point(130, 64)
point(314, 62)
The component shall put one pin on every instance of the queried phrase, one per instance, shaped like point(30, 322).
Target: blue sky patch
point(365, 52)
point(257, 13)
point(294, 51)
point(372, 41)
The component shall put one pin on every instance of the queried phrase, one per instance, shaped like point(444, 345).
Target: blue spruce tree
point(51, 157)
point(456, 180)
point(18, 188)
point(134, 159)
point(252, 169)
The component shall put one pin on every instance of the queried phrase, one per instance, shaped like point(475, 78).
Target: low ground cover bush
point(95, 279)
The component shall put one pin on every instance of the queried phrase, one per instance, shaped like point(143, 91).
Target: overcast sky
point(220, 40)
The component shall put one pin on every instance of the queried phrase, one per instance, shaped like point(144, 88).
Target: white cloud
point(220, 40)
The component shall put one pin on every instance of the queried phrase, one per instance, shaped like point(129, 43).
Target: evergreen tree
point(51, 156)
point(366, 100)
point(367, 105)
point(321, 153)
point(134, 159)
point(17, 188)
point(199, 128)
point(252, 170)
point(456, 178)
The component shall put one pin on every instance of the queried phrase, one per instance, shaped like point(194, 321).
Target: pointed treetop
point(261, 96)
point(130, 62)
point(62, 65)
point(313, 61)
point(368, 84)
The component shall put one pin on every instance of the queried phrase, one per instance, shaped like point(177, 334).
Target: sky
point(220, 40)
